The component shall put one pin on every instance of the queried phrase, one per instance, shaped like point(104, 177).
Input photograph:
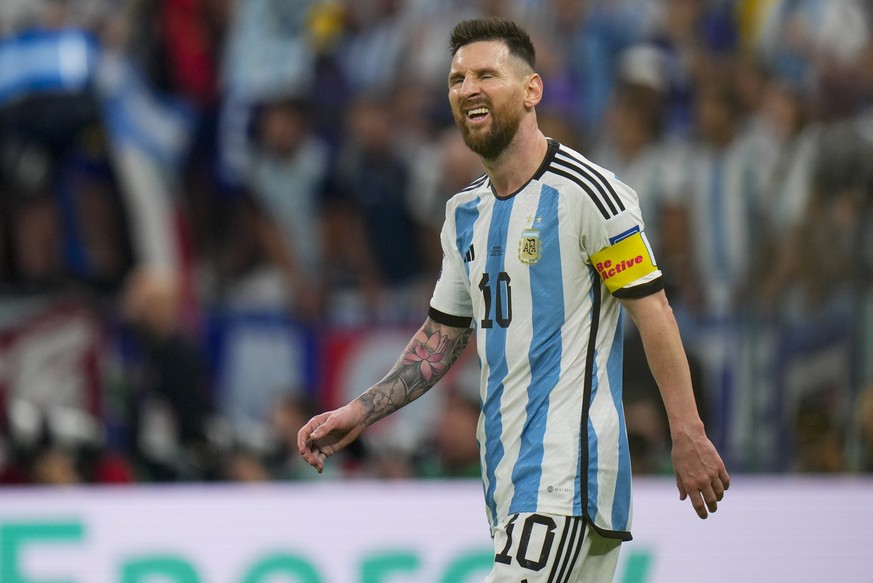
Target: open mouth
point(477, 114)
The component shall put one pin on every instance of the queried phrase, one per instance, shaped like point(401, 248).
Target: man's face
point(486, 92)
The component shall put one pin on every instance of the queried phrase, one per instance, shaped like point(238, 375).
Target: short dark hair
point(494, 29)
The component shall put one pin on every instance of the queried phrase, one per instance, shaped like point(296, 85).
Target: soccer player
point(540, 255)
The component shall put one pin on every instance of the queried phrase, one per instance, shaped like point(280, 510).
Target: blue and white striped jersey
point(537, 273)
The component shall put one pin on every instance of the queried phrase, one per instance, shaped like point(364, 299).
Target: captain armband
point(624, 262)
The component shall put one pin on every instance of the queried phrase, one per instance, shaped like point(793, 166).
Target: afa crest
point(530, 247)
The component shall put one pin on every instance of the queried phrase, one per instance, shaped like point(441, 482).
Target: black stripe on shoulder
point(575, 179)
point(601, 179)
point(640, 291)
point(591, 179)
point(448, 319)
point(476, 183)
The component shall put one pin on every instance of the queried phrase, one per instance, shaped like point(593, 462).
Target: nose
point(469, 87)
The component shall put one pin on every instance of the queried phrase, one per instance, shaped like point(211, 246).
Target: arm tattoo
point(426, 359)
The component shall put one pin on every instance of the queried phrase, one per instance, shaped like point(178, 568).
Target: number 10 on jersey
point(497, 296)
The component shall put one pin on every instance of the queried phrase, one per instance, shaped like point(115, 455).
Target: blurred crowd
point(225, 184)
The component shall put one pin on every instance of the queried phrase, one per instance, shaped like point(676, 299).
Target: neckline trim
point(553, 146)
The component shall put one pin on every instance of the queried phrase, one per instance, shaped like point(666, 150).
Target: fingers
point(699, 504)
point(683, 493)
point(718, 488)
point(724, 478)
point(705, 498)
point(306, 438)
point(697, 498)
point(711, 499)
point(327, 433)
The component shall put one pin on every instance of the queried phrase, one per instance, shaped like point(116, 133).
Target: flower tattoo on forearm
point(426, 359)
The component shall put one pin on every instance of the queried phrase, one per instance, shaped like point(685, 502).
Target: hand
point(328, 433)
point(700, 472)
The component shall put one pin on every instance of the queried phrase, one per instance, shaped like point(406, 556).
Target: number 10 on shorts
point(534, 548)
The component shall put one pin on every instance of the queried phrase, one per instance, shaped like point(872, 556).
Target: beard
point(490, 143)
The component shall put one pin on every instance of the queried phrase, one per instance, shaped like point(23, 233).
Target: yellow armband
point(625, 262)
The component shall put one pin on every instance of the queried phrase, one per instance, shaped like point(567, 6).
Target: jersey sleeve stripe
point(603, 181)
point(583, 186)
point(448, 319)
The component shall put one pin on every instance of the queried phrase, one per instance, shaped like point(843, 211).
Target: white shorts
point(546, 548)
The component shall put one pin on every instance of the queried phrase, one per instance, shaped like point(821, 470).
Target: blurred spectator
point(455, 453)
point(191, 39)
point(634, 146)
point(821, 260)
point(267, 53)
point(63, 210)
point(695, 36)
point(606, 29)
point(845, 181)
point(286, 177)
point(647, 436)
point(330, 83)
point(268, 48)
point(801, 39)
point(865, 429)
point(381, 243)
point(170, 407)
point(429, 25)
point(374, 45)
point(721, 191)
point(30, 217)
point(52, 466)
point(387, 462)
point(244, 465)
point(818, 439)
point(57, 445)
point(792, 142)
point(716, 234)
point(440, 169)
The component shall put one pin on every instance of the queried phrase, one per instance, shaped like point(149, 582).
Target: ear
point(533, 91)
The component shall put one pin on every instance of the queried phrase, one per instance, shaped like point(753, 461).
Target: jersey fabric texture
point(527, 271)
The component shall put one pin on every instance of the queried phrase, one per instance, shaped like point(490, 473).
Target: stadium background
point(218, 216)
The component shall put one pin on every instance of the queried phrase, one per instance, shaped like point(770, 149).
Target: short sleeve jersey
point(537, 274)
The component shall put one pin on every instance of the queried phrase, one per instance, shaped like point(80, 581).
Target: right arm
point(426, 359)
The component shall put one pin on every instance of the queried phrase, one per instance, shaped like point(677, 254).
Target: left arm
point(700, 471)
point(426, 359)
